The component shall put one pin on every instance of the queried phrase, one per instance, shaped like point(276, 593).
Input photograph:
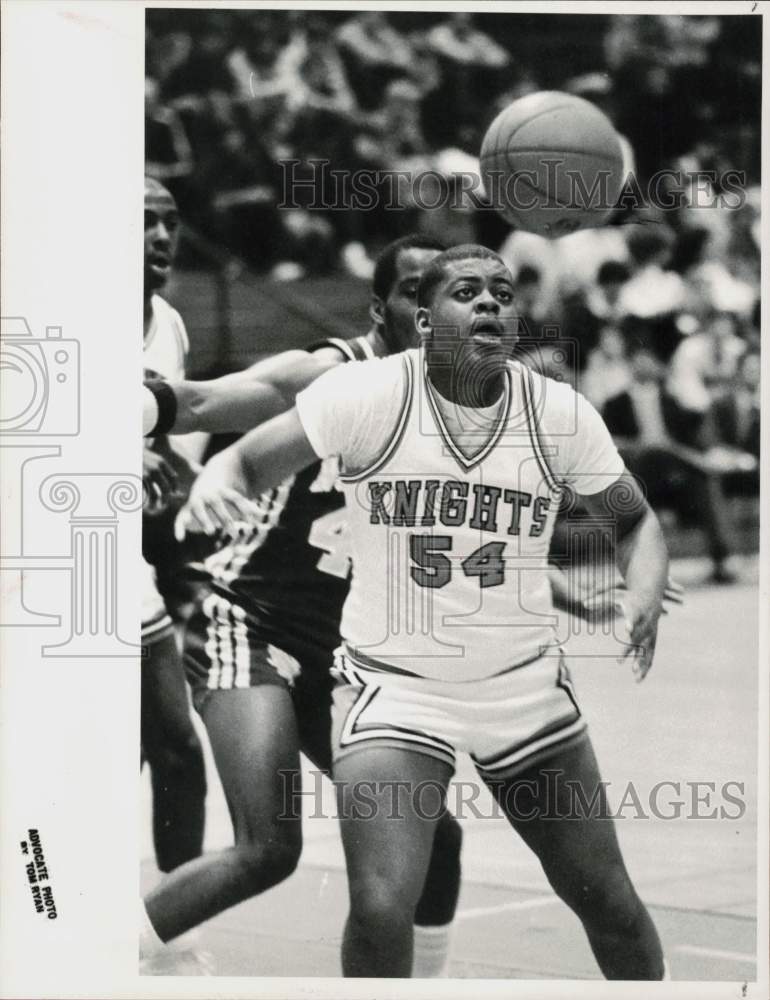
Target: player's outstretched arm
point(642, 557)
point(233, 403)
point(219, 498)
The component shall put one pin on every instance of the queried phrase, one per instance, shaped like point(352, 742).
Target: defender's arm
point(236, 402)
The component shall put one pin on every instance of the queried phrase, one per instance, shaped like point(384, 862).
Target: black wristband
point(165, 397)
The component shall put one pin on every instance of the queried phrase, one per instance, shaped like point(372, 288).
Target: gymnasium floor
point(693, 720)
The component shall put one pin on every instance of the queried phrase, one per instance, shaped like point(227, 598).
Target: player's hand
point(214, 507)
point(639, 616)
point(159, 479)
point(603, 603)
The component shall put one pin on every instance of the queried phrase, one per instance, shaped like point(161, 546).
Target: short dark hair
point(385, 268)
point(613, 271)
point(434, 273)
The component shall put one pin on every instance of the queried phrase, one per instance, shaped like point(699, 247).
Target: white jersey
point(450, 541)
point(165, 351)
point(166, 347)
point(166, 344)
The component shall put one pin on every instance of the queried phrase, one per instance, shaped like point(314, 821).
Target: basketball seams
point(549, 204)
point(536, 114)
point(588, 144)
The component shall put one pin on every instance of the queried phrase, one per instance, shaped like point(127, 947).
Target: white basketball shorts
point(505, 723)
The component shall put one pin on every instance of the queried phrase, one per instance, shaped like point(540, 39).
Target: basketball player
point(260, 651)
point(169, 743)
point(454, 461)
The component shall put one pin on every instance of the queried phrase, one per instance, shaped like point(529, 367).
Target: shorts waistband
point(361, 660)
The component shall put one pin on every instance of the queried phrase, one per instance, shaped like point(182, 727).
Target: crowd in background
point(656, 321)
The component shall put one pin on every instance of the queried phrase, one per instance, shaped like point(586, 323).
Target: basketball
point(552, 163)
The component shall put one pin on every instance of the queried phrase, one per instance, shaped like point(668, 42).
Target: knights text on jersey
point(450, 545)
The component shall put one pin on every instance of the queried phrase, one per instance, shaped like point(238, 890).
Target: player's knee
point(179, 760)
point(381, 903)
point(605, 898)
point(272, 857)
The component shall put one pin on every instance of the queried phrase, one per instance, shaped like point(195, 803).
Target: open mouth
point(489, 331)
point(160, 263)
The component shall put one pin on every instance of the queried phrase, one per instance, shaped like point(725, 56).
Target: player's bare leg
point(254, 739)
point(172, 749)
point(581, 858)
point(387, 849)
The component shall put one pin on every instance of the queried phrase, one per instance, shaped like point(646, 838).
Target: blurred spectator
point(262, 72)
point(321, 82)
point(391, 139)
point(737, 424)
point(607, 372)
point(711, 285)
point(737, 413)
point(540, 345)
point(243, 192)
point(374, 53)
point(704, 366)
point(471, 63)
point(458, 41)
point(521, 249)
point(424, 68)
point(674, 475)
point(652, 290)
point(455, 219)
point(393, 133)
point(580, 256)
point(203, 71)
point(590, 310)
point(167, 151)
point(165, 52)
point(529, 302)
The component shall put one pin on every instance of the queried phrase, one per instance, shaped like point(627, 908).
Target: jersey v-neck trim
point(468, 462)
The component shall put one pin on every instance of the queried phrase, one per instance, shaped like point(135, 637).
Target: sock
point(431, 952)
point(666, 974)
point(149, 942)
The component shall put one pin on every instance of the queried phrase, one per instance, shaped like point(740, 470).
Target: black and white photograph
point(421, 633)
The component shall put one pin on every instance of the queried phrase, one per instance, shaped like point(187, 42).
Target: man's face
point(473, 312)
point(161, 234)
point(399, 307)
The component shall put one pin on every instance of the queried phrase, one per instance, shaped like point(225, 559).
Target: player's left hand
point(603, 603)
point(640, 619)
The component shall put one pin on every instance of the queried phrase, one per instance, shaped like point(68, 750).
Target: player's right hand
point(214, 507)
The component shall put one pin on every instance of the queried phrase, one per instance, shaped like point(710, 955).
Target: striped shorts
point(505, 723)
point(226, 648)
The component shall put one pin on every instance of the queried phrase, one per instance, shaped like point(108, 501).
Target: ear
point(377, 311)
point(422, 321)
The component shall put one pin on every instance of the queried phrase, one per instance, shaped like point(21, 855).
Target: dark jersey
point(291, 575)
